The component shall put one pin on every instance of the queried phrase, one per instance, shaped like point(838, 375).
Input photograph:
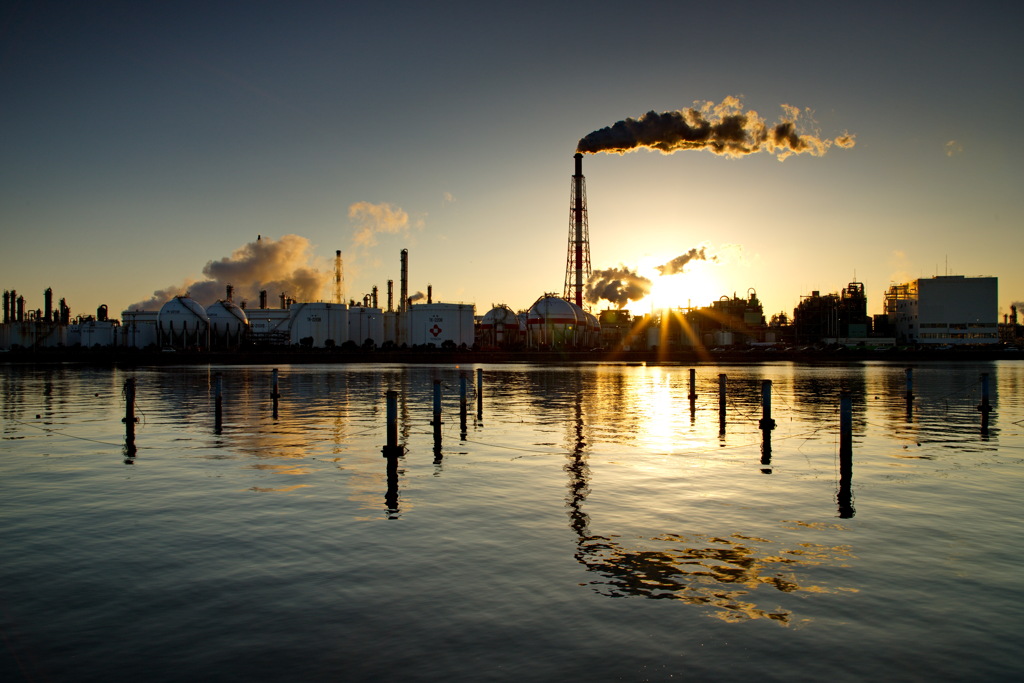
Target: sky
point(158, 148)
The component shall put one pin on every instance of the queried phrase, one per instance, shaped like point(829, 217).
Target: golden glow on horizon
point(696, 287)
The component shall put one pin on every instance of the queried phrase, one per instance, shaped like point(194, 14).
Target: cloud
point(723, 129)
point(953, 147)
point(373, 219)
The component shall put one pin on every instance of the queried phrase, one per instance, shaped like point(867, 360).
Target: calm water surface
point(580, 523)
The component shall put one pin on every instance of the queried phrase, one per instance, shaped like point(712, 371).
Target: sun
point(695, 287)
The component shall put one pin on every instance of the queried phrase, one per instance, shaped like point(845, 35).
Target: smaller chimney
point(430, 294)
point(230, 292)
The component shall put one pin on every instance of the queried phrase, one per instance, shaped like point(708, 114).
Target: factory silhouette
point(936, 313)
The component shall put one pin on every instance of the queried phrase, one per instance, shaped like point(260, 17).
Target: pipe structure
point(48, 305)
point(391, 296)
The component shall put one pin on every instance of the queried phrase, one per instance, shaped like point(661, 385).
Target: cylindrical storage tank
point(319, 324)
point(439, 324)
point(140, 329)
point(228, 323)
point(593, 330)
point(724, 338)
point(97, 333)
point(183, 322)
point(552, 322)
point(390, 327)
point(366, 324)
point(584, 337)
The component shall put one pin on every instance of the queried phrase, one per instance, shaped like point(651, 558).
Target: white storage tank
point(325, 324)
point(552, 322)
point(269, 325)
point(499, 327)
point(439, 323)
point(228, 323)
point(366, 323)
point(96, 333)
point(183, 322)
point(140, 329)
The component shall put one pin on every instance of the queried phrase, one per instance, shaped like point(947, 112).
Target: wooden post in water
point(844, 497)
point(480, 393)
point(391, 448)
point(721, 403)
point(693, 394)
point(391, 453)
point(462, 405)
point(767, 424)
point(274, 393)
point(985, 408)
point(845, 425)
point(129, 419)
point(436, 422)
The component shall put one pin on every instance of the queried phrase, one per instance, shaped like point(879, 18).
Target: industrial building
point(833, 318)
point(945, 310)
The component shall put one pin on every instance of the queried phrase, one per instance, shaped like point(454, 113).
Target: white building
point(946, 309)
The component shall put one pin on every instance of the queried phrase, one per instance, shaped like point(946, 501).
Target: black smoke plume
point(723, 129)
point(677, 264)
point(616, 285)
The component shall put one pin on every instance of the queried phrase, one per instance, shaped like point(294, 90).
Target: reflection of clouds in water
point(706, 570)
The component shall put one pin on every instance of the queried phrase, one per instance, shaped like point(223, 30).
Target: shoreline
point(123, 357)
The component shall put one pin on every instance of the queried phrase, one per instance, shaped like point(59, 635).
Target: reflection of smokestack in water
point(404, 291)
point(391, 296)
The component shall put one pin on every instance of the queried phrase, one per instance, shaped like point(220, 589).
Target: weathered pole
point(721, 403)
point(844, 496)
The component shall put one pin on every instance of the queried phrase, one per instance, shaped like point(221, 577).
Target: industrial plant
point(940, 311)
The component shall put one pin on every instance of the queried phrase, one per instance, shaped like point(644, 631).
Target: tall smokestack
point(391, 296)
point(430, 294)
point(374, 296)
point(404, 291)
point(48, 305)
point(263, 298)
point(339, 279)
point(577, 262)
point(7, 306)
point(229, 291)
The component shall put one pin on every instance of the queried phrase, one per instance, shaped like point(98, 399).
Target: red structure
point(577, 263)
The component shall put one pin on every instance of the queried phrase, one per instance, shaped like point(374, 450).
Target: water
point(585, 524)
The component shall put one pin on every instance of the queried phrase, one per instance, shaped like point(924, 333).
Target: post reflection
point(720, 574)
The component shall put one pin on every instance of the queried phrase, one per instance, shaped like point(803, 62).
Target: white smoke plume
point(285, 266)
point(677, 264)
point(723, 129)
point(618, 286)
